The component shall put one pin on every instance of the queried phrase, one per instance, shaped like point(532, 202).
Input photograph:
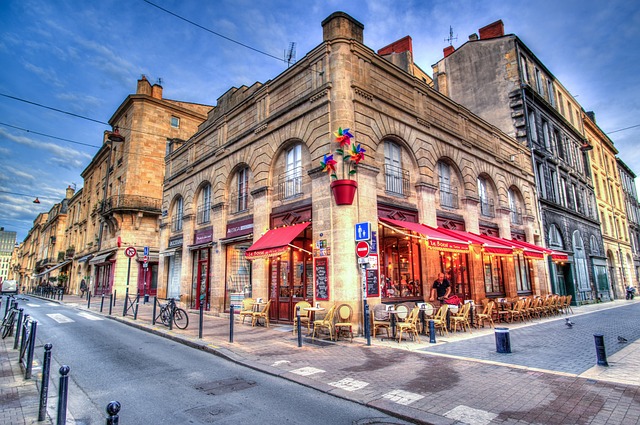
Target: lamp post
point(113, 137)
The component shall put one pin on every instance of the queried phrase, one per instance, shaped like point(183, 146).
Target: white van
point(9, 287)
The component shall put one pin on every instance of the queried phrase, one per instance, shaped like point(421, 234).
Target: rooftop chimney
point(592, 116)
point(144, 87)
point(341, 25)
point(448, 50)
point(400, 46)
point(473, 37)
point(70, 192)
point(493, 30)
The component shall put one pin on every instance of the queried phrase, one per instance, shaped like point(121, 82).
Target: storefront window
point(493, 275)
point(523, 273)
point(401, 265)
point(455, 267)
point(238, 275)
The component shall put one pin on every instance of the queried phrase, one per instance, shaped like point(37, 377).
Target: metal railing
point(240, 202)
point(486, 208)
point(176, 223)
point(132, 202)
point(290, 184)
point(448, 196)
point(203, 215)
point(397, 180)
point(516, 216)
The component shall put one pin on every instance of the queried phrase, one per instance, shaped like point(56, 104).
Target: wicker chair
point(343, 324)
point(410, 325)
point(380, 319)
point(247, 308)
point(263, 314)
point(305, 316)
point(325, 323)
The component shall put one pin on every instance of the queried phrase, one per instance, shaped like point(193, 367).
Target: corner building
point(248, 212)
point(499, 78)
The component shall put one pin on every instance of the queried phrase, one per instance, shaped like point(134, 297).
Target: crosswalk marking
point(471, 416)
point(90, 316)
point(349, 384)
point(306, 371)
point(402, 397)
point(60, 318)
point(33, 305)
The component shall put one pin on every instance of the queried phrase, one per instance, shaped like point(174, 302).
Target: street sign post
point(363, 231)
point(130, 252)
point(362, 249)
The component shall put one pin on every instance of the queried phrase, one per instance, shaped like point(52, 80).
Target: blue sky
point(84, 57)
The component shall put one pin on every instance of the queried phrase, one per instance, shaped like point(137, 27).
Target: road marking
point(349, 384)
point(60, 318)
point(33, 305)
point(471, 416)
point(402, 397)
point(90, 316)
point(306, 371)
point(53, 304)
point(279, 362)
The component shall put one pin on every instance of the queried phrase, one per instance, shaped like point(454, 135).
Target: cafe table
point(313, 311)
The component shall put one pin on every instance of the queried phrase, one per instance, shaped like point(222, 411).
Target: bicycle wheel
point(164, 316)
point(7, 326)
point(180, 318)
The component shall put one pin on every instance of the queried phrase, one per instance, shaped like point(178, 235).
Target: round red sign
point(130, 252)
point(362, 249)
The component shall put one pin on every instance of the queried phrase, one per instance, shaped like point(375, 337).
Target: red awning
point(559, 256)
point(528, 250)
point(436, 239)
point(488, 246)
point(275, 242)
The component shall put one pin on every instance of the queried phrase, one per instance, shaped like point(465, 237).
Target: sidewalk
point(460, 379)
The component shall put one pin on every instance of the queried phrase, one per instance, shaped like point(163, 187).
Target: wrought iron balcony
point(290, 184)
point(486, 208)
point(240, 202)
point(176, 223)
point(132, 202)
point(397, 180)
point(448, 196)
point(203, 215)
point(516, 216)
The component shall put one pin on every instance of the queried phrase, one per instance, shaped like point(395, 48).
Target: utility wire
point(52, 109)
point(622, 129)
point(213, 32)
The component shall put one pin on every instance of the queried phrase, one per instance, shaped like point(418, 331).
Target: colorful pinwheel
point(351, 155)
point(357, 153)
point(343, 137)
point(329, 164)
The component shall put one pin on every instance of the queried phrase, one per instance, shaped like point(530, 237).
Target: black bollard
point(44, 385)
point(113, 409)
point(423, 321)
point(30, 350)
point(62, 395)
point(201, 320)
point(367, 322)
point(19, 328)
point(471, 314)
point(503, 342)
point(432, 332)
point(115, 293)
point(600, 350)
point(231, 323)
point(102, 302)
point(88, 299)
point(110, 303)
point(153, 313)
point(299, 326)
point(135, 313)
point(126, 301)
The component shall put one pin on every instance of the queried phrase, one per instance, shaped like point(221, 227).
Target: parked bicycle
point(180, 316)
point(8, 323)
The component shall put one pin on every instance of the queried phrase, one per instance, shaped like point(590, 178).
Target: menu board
point(373, 284)
point(321, 278)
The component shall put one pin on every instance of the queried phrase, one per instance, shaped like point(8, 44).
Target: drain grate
point(225, 386)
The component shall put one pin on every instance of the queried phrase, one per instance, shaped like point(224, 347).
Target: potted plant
point(344, 189)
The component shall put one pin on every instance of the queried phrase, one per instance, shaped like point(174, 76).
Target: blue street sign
point(146, 250)
point(363, 231)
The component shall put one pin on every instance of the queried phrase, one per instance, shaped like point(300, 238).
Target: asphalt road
point(159, 381)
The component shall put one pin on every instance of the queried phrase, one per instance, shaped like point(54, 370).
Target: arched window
point(580, 262)
point(516, 211)
point(448, 193)
point(486, 204)
point(595, 247)
point(555, 239)
point(242, 186)
point(293, 172)
point(178, 211)
point(393, 172)
point(204, 205)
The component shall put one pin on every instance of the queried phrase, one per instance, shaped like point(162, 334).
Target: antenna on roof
point(290, 54)
point(451, 37)
point(159, 81)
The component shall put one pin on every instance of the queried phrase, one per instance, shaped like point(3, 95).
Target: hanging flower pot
point(344, 191)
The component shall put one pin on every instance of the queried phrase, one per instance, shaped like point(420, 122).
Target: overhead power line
point(622, 129)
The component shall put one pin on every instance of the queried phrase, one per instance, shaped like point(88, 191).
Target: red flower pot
point(344, 191)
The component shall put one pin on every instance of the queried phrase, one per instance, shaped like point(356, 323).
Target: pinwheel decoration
point(351, 154)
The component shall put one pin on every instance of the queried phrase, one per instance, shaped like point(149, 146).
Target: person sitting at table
point(441, 289)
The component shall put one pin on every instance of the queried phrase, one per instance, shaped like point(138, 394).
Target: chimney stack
point(70, 192)
point(448, 50)
point(493, 30)
point(341, 25)
point(473, 37)
point(144, 87)
point(592, 116)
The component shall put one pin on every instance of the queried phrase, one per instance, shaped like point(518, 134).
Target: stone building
point(611, 209)
point(249, 212)
point(632, 208)
point(7, 245)
point(499, 78)
point(119, 205)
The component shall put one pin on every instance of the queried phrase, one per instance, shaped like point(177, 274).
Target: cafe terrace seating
point(343, 325)
point(410, 325)
point(440, 320)
point(247, 308)
point(566, 308)
point(380, 319)
point(462, 318)
point(262, 314)
point(325, 323)
point(305, 319)
point(487, 314)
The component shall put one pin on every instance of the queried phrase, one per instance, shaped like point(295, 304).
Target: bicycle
point(8, 322)
point(180, 316)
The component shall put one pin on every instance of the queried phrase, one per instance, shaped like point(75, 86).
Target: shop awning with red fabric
point(488, 246)
point(435, 238)
point(528, 250)
point(275, 242)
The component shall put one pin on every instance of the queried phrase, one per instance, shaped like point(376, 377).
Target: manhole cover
point(225, 386)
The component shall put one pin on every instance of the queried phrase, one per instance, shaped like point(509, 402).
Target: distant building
point(7, 245)
point(632, 208)
point(499, 78)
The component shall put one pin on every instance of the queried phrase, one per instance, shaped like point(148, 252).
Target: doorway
point(291, 282)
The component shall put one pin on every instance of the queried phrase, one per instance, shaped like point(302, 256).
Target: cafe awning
point(435, 239)
point(57, 266)
point(275, 242)
point(102, 258)
point(488, 246)
point(85, 258)
point(559, 256)
point(528, 250)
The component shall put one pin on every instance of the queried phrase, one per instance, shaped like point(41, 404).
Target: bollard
point(113, 409)
point(44, 385)
point(126, 301)
point(102, 302)
point(115, 293)
point(299, 326)
point(432, 332)
point(600, 351)
point(135, 313)
point(201, 319)
point(423, 321)
point(231, 323)
point(367, 322)
point(110, 303)
point(62, 395)
point(503, 342)
point(153, 314)
point(88, 299)
point(31, 349)
point(19, 328)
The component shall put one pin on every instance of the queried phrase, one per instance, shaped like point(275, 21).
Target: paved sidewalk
point(550, 377)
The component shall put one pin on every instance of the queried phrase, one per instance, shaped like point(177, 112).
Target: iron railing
point(290, 184)
point(516, 216)
point(486, 208)
point(448, 196)
point(240, 202)
point(203, 214)
point(132, 202)
point(176, 223)
point(397, 180)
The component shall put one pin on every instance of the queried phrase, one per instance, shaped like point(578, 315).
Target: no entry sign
point(362, 249)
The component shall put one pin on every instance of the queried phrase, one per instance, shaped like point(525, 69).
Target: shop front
point(201, 259)
point(238, 285)
point(148, 274)
point(174, 253)
point(103, 267)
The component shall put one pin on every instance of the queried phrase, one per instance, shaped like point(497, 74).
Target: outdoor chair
point(440, 320)
point(410, 325)
point(462, 318)
point(305, 316)
point(263, 314)
point(487, 314)
point(247, 308)
point(380, 319)
point(343, 324)
point(325, 323)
